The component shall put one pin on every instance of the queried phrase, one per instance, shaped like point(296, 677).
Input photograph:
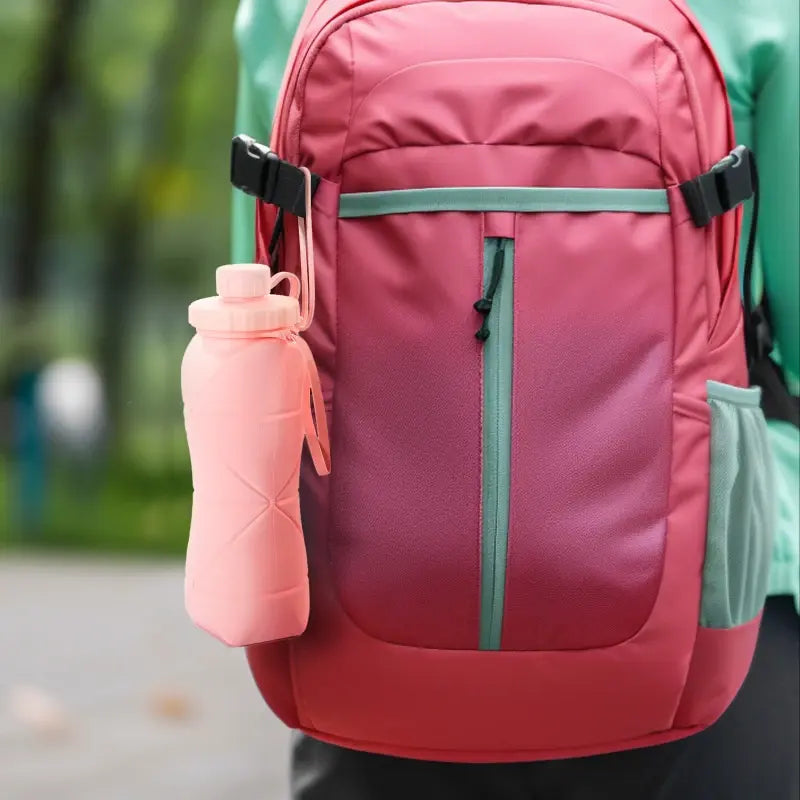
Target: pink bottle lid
point(244, 303)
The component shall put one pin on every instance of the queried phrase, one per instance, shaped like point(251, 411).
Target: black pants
point(752, 753)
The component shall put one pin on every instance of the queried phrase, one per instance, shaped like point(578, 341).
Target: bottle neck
point(286, 334)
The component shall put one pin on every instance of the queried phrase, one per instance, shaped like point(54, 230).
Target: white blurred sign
point(72, 404)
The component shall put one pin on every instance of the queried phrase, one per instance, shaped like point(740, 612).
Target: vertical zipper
point(497, 335)
point(491, 282)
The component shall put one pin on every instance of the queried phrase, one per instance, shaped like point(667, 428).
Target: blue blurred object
point(29, 468)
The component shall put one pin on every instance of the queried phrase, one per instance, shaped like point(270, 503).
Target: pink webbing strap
point(306, 230)
point(316, 423)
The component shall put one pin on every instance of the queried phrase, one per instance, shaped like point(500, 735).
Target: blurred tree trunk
point(32, 159)
point(130, 214)
point(35, 151)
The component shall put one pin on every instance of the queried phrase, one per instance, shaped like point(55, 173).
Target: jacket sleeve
point(777, 146)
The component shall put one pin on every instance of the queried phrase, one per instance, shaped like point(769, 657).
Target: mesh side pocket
point(741, 511)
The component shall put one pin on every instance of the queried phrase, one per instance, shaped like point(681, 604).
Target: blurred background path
point(108, 691)
point(115, 201)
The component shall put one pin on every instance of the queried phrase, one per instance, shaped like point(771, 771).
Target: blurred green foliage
point(137, 218)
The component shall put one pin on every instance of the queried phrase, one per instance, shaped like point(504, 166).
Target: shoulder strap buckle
point(726, 185)
point(256, 170)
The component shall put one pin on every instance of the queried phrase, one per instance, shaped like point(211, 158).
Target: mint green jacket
point(756, 42)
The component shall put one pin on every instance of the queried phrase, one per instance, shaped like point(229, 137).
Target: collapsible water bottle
point(251, 394)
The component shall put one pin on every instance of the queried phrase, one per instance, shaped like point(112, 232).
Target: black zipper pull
point(484, 305)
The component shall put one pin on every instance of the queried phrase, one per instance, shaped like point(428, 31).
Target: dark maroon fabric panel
point(406, 485)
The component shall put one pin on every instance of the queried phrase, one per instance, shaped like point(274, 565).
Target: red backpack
point(547, 528)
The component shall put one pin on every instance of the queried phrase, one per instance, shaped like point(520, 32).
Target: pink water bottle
point(249, 383)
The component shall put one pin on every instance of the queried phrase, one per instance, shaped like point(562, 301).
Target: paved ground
point(154, 708)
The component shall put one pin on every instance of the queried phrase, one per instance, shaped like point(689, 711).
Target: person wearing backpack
point(752, 750)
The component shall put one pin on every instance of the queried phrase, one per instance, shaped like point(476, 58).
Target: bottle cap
point(244, 304)
point(242, 281)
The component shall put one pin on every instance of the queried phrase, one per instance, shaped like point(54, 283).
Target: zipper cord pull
point(484, 305)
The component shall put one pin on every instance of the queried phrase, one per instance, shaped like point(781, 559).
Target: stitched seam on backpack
point(658, 110)
point(503, 144)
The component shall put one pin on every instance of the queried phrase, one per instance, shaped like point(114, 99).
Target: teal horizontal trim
point(734, 394)
point(512, 198)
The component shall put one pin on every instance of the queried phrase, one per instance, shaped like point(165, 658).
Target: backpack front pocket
point(449, 467)
point(741, 509)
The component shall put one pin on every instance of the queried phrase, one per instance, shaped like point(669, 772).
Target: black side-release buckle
point(727, 184)
point(257, 170)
